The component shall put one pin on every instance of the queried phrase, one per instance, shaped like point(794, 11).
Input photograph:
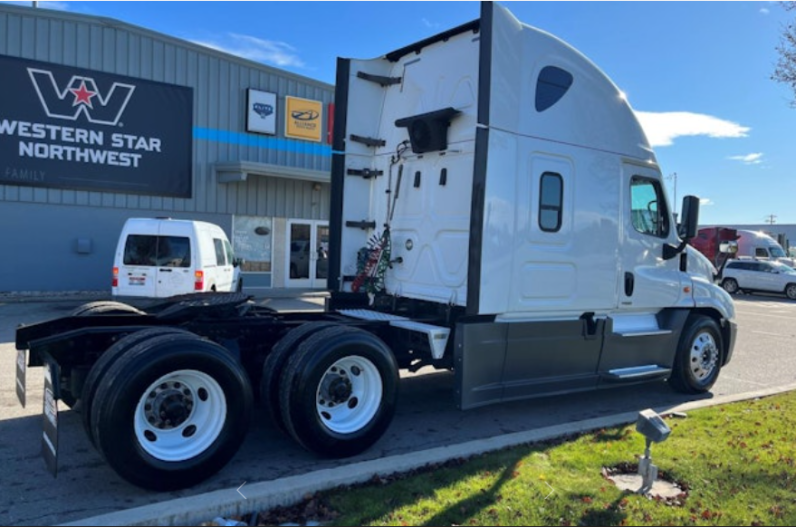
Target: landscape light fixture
point(655, 430)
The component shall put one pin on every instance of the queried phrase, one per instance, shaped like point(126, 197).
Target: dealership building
point(101, 121)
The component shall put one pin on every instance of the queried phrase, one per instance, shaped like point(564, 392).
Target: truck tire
point(171, 412)
point(107, 359)
point(338, 391)
point(105, 308)
point(730, 285)
point(699, 355)
point(275, 363)
point(790, 291)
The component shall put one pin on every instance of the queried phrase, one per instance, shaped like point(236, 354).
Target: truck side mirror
point(688, 228)
point(728, 247)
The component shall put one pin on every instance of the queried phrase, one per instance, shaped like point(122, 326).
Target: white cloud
point(662, 128)
point(58, 6)
point(765, 10)
point(428, 23)
point(749, 159)
point(706, 202)
point(269, 51)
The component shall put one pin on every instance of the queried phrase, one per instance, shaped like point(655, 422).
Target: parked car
point(162, 257)
point(755, 275)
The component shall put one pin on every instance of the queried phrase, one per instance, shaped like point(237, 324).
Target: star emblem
point(83, 95)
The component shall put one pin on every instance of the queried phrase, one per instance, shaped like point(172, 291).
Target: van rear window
point(157, 251)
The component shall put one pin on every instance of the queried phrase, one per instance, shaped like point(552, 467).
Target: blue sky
point(697, 73)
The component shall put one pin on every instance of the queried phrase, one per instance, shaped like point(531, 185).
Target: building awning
point(239, 171)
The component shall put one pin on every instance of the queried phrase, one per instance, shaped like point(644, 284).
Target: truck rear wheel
point(105, 308)
point(698, 360)
point(275, 363)
point(171, 412)
point(111, 355)
point(338, 391)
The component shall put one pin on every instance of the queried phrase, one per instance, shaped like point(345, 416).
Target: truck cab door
point(647, 282)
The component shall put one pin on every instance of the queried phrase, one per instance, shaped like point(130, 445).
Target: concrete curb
point(288, 491)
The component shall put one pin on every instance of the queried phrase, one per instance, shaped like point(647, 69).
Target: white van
point(162, 257)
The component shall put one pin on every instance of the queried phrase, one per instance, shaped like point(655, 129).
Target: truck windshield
point(777, 252)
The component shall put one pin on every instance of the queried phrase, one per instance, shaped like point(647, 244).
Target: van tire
point(699, 356)
point(107, 359)
point(105, 307)
point(319, 365)
point(270, 386)
point(210, 406)
point(790, 291)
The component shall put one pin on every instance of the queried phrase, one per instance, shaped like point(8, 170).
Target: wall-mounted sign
point(303, 119)
point(261, 112)
point(71, 128)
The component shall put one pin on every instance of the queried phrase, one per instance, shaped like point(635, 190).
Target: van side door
point(224, 269)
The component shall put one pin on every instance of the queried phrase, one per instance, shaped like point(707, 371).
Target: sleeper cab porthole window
point(551, 85)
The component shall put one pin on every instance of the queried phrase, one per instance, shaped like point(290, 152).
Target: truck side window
point(761, 252)
point(551, 199)
point(220, 258)
point(648, 208)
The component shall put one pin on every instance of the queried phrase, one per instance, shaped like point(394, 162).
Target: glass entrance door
point(308, 253)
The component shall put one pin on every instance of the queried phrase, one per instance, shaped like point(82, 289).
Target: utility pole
point(771, 219)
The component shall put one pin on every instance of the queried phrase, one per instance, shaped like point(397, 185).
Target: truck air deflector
point(417, 47)
point(338, 172)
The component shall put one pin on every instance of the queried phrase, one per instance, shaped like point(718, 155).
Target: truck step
point(437, 335)
point(636, 373)
point(645, 333)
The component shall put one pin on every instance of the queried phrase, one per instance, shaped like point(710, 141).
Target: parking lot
point(426, 418)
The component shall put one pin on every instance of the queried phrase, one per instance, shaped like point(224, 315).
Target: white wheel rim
point(704, 356)
point(730, 286)
point(791, 292)
point(180, 415)
point(349, 395)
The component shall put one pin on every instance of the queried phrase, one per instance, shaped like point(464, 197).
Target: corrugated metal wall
point(219, 82)
point(219, 104)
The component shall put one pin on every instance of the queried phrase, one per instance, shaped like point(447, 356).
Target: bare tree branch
point(785, 70)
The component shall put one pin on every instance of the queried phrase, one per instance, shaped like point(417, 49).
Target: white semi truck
point(496, 211)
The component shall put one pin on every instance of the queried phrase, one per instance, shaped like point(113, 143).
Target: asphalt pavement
point(426, 418)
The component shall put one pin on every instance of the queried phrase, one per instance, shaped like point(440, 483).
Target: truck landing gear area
point(431, 276)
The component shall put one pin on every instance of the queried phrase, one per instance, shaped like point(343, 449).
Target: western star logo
point(81, 96)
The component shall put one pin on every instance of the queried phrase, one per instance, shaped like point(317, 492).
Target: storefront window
point(252, 240)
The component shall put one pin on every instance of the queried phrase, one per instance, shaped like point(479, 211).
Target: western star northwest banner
point(71, 128)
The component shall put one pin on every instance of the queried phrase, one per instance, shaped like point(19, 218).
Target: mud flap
point(49, 441)
point(21, 370)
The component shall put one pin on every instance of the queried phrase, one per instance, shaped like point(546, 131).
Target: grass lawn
point(736, 463)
